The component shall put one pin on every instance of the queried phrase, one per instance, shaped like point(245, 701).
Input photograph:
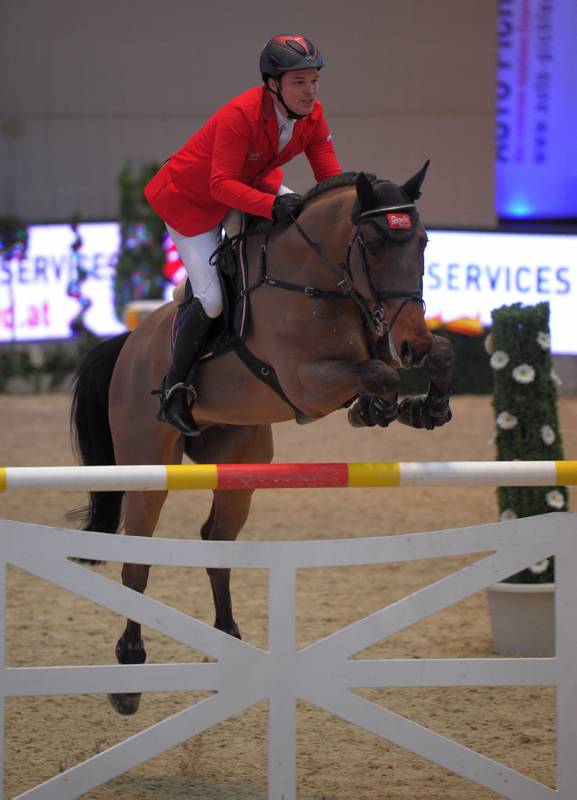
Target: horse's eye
point(374, 247)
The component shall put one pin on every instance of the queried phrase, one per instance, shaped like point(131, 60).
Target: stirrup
point(180, 419)
point(163, 395)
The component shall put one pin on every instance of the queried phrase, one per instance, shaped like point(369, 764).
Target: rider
point(233, 162)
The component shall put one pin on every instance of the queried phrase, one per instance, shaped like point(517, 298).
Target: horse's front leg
point(141, 516)
point(432, 410)
point(325, 382)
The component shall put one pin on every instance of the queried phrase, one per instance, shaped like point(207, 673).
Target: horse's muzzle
point(413, 354)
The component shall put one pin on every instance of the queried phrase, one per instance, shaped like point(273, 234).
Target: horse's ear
point(413, 186)
point(365, 193)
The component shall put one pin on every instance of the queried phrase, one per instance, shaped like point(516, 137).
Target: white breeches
point(195, 252)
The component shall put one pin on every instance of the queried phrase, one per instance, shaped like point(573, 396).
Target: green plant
point(138, 274)
point(525, 406)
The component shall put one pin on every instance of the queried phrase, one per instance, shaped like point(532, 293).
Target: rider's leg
point(195, 252)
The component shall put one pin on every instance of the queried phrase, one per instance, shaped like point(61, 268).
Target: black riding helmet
point(286, 53)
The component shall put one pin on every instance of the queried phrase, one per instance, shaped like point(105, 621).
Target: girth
point(265, 373)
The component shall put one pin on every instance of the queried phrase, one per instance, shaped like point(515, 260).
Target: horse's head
point(387, 262)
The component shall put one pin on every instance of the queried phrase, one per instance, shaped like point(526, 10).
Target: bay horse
point(336, 311)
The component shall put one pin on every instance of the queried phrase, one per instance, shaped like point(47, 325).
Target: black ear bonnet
point(387, 205)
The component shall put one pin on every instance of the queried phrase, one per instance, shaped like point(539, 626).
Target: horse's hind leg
point(227, 516)
point(142, 510)
point(229, 511)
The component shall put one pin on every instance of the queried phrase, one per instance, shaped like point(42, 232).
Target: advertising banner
point(45, 293)
point(470, 273)
point(536, 112)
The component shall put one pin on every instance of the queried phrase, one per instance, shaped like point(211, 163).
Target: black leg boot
point(175, 408)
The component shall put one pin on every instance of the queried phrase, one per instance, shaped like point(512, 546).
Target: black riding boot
point(175, 408)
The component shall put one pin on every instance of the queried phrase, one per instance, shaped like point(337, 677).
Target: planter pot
point(523, 618)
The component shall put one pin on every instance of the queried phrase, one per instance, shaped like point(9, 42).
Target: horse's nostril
point(407, 353)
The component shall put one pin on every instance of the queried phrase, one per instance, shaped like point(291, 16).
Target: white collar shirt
point(285, 129)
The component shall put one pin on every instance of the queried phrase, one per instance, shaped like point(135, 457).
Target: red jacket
point(232, 162)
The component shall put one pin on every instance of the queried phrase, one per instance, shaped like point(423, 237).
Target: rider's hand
point(285, 206)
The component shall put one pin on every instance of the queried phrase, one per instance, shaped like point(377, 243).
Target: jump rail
point(289, 476)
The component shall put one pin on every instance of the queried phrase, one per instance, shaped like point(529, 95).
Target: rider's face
point(299, 89)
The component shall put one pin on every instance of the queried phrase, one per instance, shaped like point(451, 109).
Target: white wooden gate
point(321, 673)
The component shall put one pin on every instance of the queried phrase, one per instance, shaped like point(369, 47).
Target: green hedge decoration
point(527, 423)
point(141, 258)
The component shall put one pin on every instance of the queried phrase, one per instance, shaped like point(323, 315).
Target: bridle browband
point(377, 212)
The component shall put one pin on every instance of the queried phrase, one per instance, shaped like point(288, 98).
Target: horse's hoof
point(130, 652)
point(370, 410)
point(425, 411)
point(125, 704)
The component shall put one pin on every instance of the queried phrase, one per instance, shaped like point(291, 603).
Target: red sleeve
point(231, 141)
point(321, 153)
point(272, 181)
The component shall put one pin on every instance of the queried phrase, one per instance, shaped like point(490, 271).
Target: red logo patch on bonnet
point(402, 221)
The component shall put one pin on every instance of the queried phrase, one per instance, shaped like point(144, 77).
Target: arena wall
point(85, 87)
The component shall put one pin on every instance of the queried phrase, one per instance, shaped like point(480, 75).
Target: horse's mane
point(344, 179)
point(386, 192)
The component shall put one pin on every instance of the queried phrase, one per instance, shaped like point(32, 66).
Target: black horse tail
point(91, 435)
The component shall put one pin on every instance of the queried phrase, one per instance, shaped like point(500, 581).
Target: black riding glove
point(285, 207)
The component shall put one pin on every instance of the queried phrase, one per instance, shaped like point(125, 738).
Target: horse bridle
point(374, 317)
point(379, 297)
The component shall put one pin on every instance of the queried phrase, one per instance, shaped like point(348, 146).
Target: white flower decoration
point(547, 434)
point(506, 421)
point(489, 344)
point(524, 373)
point(556, 379)
point(36, 356)
point(555, 499)
point(543, 340)
point(499, 359)
point(539, 566)
point(507, 515)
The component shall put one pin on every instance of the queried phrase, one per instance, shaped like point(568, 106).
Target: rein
point(374, 317)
